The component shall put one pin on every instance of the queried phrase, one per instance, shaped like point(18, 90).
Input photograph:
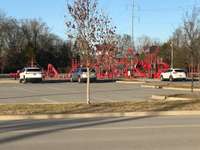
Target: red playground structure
point(51, 71)
point(129, 65)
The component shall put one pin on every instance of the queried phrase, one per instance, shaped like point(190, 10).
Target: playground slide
point(52, 71)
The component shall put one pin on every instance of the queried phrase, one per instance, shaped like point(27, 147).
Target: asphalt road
point(75, 92)
point(150, 133)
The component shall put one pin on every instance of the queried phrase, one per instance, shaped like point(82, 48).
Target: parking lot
point(75, 92)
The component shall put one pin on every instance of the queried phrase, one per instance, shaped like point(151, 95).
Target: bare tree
point(186, 40)
point(9, 38)
point(91, 27)
point(144, 42)
point(124, 42)
point(32, 29)
point(191, 29)
point(192, 36)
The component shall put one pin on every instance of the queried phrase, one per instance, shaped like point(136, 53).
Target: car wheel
point(79, 80)
point(171, 79)
point(20, 80)
point(161, 78)
point(24, 81)
point(40, 80)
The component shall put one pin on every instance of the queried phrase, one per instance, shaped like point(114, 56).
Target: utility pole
point(132, 35)
point(133, 6)
point(172, 54)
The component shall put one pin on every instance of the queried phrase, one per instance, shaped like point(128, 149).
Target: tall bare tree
point(192, 36)
point(191, 29)
point(124, 43)
point(145, 42)
point(91, 27)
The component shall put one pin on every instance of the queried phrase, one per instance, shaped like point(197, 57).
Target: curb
point(181, 89)
point(168, 98)
point(148, 86)
point(178, 99)
point(169, 88)
point(130, 82)
point(158, 97)
point(95, 115)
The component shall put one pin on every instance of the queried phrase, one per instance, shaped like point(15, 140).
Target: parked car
point(30, 74)
point(80, 75)
point(173, 74)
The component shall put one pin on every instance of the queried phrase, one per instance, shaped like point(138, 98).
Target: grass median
point(109, 107)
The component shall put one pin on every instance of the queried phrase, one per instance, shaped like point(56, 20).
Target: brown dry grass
point(75, 108)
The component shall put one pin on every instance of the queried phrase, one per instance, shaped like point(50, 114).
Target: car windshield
point(179, 70)
point(168, 71)
point(83, 70)
point(92, 70)
point(34, 70)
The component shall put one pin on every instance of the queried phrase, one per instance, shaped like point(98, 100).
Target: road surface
point(143, 133)
point(75, 92)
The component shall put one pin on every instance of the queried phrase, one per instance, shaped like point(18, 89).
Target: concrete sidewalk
point(169, 98)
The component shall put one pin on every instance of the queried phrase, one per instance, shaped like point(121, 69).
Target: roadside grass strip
point(107, 107)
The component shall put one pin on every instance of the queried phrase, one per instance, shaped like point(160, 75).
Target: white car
point(173, 74)
point(30, 74)
point(80, 75)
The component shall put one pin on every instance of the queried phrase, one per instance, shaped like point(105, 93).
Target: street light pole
point(172, 54)
point(133, 6)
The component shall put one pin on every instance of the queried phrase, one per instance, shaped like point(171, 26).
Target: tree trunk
point(192, 83)
point(88, 85)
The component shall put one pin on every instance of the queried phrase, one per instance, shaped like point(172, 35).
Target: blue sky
point(155, 18)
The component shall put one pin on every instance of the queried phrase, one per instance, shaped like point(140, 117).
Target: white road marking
point(48, 100)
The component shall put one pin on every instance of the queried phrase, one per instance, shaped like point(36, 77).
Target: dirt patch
point(193, 96)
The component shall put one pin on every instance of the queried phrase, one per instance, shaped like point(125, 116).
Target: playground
point(129, 65)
